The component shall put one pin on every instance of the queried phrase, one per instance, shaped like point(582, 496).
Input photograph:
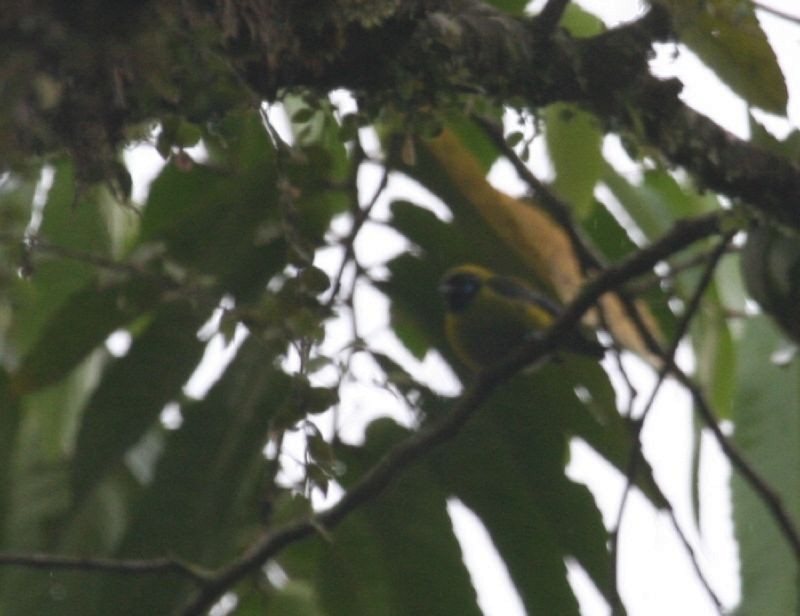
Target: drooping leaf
point(372, 565)
point(727, 36)
point(202, 504)
point(658, 201)
point(75, 226)
point(581, 23)
point(765, 412)
point(134, 390)
point(574, 142)
point(79, 326)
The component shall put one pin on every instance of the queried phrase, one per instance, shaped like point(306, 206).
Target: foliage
point(125, 491)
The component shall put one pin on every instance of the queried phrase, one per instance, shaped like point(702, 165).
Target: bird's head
point(461, 284)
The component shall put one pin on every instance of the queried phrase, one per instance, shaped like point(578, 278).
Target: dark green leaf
point(134, 390)
point(727, 36)
point(373, 565)
point(574, 142)
point(80, 326)
point(78, 226)
point(203, 502)
point(767, 415)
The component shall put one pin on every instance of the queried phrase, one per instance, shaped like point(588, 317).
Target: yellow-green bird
point(490, 315)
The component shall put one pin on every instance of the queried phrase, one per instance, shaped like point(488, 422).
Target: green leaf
point(519, 440)
point(78, 327)
point(610, 237)
point(134, 390)
point(203, 502)
point(515, 7)
point(372, 564)
point(727, 37)
point(574, 141)
point(658, 201)
point(510, 506)
point(715, 354)
point(209, 217)
point(314, 281)
point(767, 416)
point(770, 267)
point(78, 226)
point(581, 23)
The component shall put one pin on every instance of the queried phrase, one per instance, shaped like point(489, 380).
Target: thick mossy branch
point(76, 80)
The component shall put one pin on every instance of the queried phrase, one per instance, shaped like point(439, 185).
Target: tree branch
point(768, 496)
point(431, 48)
point(550, 15)
point(777, 12)
point(212, 585)
point(108, 565)
point(637, 455)
point(608, 74)
point(405, 453)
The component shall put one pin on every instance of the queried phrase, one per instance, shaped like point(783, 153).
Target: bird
point(489, 315)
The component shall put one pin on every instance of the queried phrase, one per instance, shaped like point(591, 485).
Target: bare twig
point(637, 455)
point(108, 565)
point(640, 286)
point(35, 244)
point(554, 206)
point(360, 216)
point(777, 12)
point(768, 496)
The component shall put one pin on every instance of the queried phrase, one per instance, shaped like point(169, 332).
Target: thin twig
point(640, 286)
point(108, 565)
point(637, 455)
point(35, 244)
point(768, 496)
point(554, 206)
point(777, 12)
point(360, 216)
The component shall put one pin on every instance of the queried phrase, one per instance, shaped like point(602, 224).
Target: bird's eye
point(459, 290)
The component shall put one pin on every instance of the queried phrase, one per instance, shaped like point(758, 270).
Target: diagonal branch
point(213, 585)
point(766, 493)
point(408, 451)
point(637, 456)
point(769, 497)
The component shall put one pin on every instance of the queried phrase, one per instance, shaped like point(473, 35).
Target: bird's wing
point(513, 289)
